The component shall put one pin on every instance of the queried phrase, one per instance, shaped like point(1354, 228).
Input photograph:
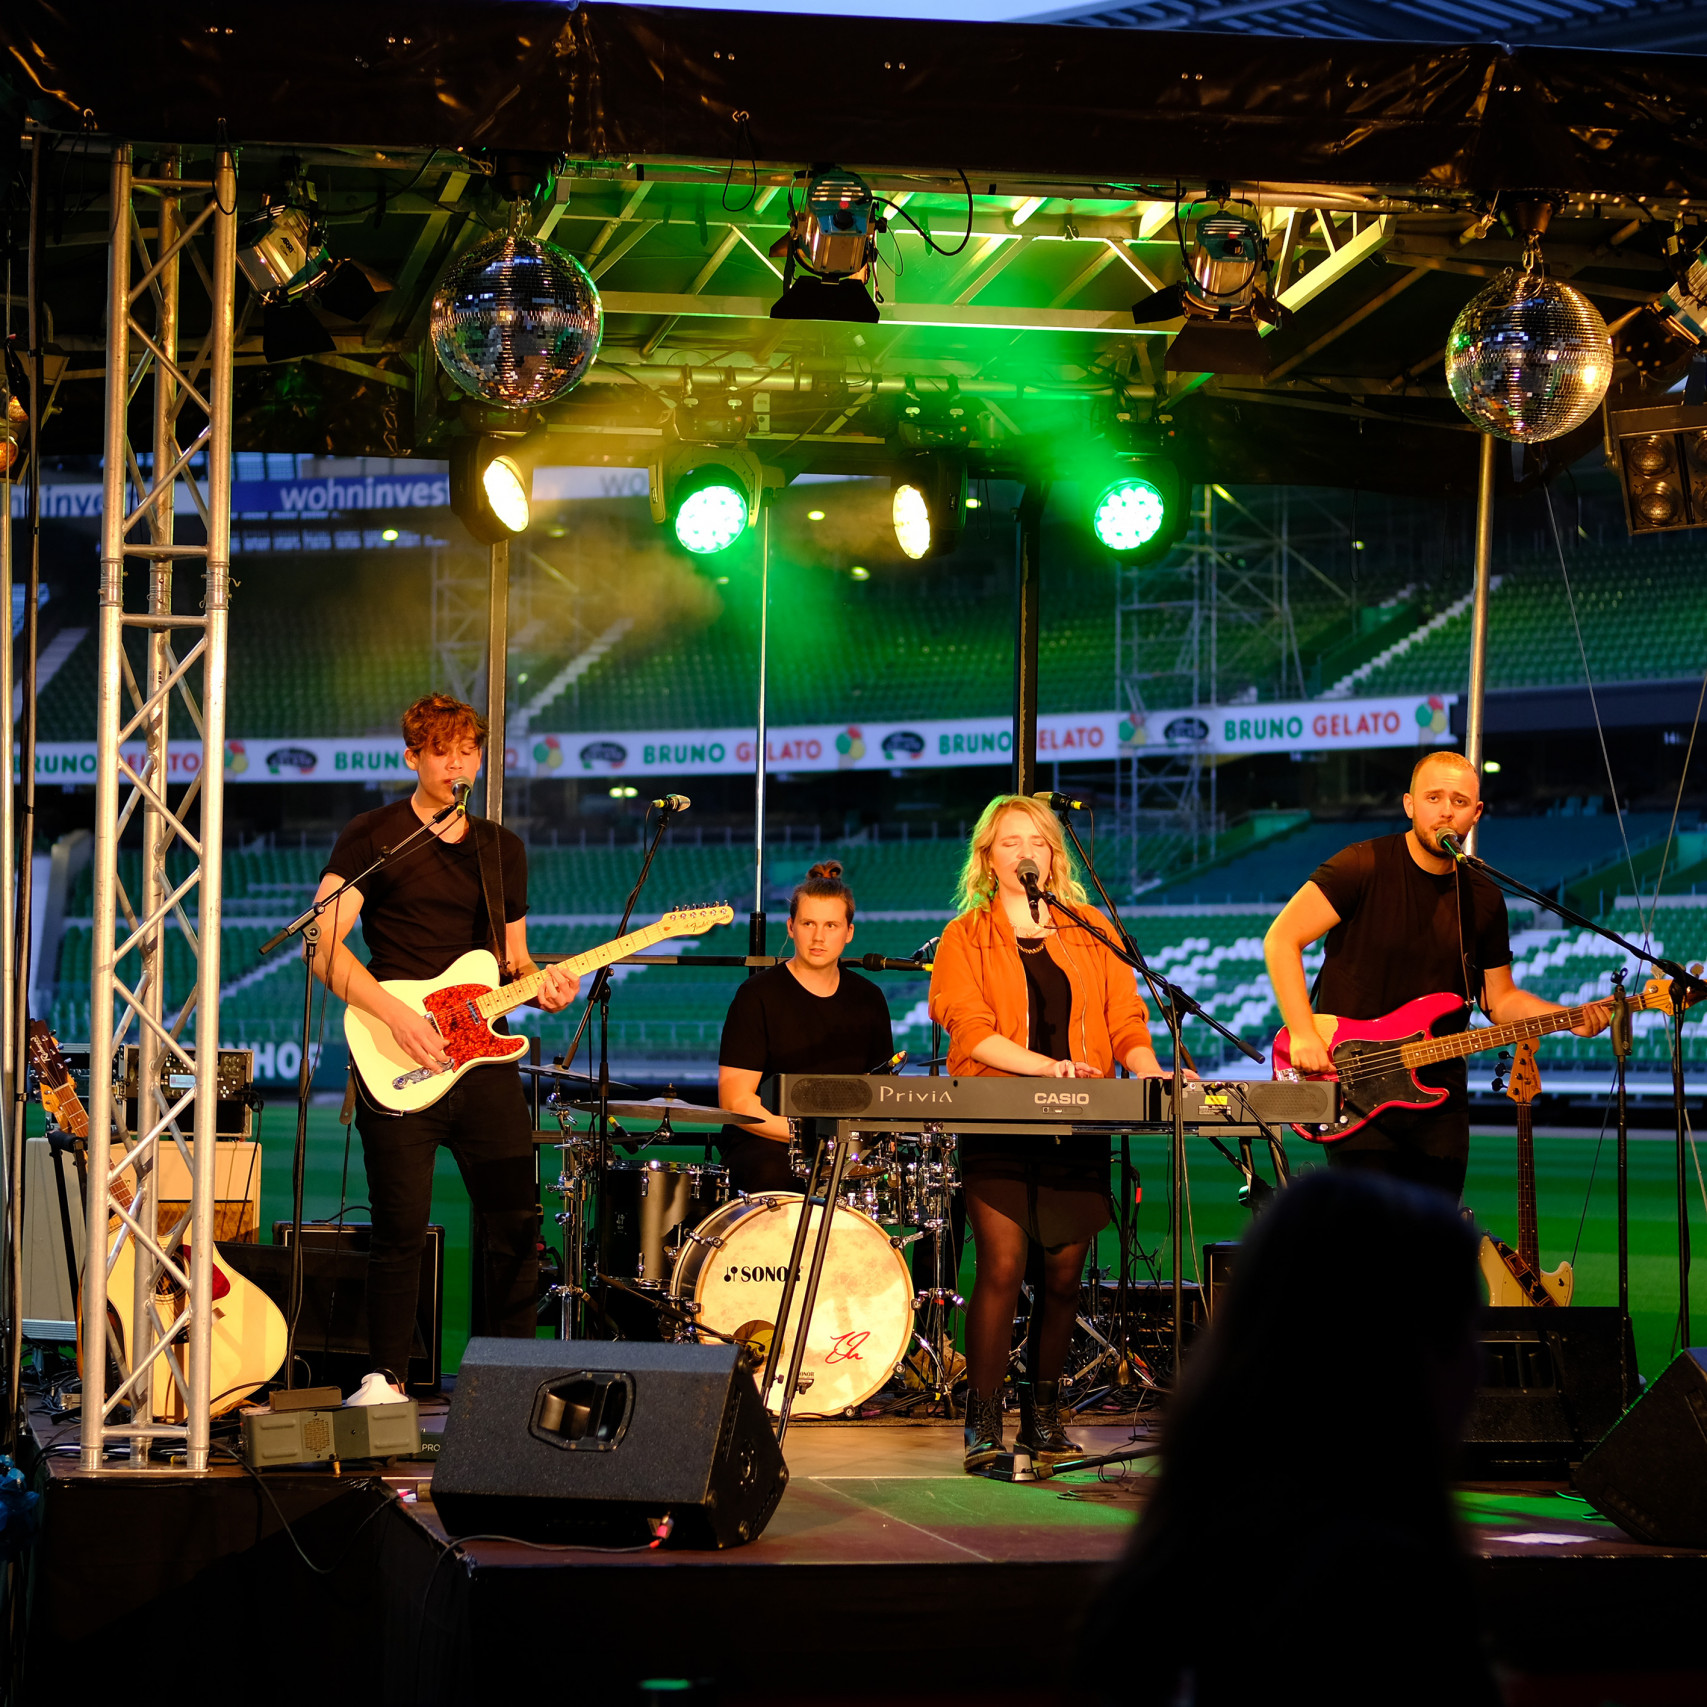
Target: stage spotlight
point(1224, 294)
point(1139, 511)
point(710, 493)
point(488, 490)
point(832, 240)
point(1662, 466)
point(929, 505)
point(282, 251)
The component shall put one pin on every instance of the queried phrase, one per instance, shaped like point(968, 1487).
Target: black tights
point(1001, 1254)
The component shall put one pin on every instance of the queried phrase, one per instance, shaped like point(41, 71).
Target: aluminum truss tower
point(1211, 624)
point(164, 232)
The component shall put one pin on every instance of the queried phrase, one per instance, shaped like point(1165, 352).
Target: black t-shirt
point(1404, 933)
point(777, 1025)
point(423, 911)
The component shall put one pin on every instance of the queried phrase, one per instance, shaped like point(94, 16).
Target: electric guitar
point(463, 1001)
point(1375, 1060)
point(1515, 1277)
point(248, 1330)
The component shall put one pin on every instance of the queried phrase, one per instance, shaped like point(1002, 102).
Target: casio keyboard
point(1052, 1106)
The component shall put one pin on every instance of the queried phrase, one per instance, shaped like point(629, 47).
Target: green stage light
point(711, 517)
point(1130, 514)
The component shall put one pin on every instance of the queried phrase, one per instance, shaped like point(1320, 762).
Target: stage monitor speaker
point(596, 1441)
point(1553, 1382)
point(1649, 1475)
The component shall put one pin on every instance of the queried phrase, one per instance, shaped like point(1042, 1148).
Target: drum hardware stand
point(823, 1191)
point(1687, 987)
point(600, 994)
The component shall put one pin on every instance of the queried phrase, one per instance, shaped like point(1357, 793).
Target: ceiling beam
point(964, 316)
point(1355, 318)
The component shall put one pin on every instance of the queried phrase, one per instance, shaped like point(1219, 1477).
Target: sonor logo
point(1063, 1099)
point(778, 1275)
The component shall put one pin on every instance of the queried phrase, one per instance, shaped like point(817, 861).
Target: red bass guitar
point(1375, 1060)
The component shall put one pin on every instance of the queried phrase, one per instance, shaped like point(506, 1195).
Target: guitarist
point(443, 897)
point(1403, 920)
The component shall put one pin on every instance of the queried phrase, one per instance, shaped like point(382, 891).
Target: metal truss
point(148, 1305)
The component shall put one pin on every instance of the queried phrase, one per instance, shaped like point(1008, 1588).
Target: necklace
point(1038, 944)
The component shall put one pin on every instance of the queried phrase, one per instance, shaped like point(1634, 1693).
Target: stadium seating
point(1532, 641)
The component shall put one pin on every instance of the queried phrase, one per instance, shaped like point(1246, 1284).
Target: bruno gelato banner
point(1303, 726)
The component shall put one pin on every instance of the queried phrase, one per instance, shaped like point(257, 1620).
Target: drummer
point(808, 1015)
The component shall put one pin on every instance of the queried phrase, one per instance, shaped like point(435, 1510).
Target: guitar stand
point(823, 1191)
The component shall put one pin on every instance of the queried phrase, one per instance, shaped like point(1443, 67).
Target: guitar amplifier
point(332, 1332)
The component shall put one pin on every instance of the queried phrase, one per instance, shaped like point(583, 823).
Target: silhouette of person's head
point(1310, 1441)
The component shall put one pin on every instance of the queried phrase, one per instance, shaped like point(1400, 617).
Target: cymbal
point(677, 1112)
point(569, 1073)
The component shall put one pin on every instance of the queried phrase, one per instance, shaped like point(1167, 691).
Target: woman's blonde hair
point(978, 877)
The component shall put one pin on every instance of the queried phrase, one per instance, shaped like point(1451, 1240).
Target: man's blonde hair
point(978, 876)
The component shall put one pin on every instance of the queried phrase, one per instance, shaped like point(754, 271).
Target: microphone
point(893, 1065)
point(461, 790)
point(1449, 843)
point(925, 953)
point(1059, 802)
point(672, 803)
point(1026, 871)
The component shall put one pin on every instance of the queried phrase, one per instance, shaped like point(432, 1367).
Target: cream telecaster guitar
point(248, 1330)
point(1516, 1277)
point(464, 1000)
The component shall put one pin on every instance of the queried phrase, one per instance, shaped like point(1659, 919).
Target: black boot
point(1043, 1422)
point(983, 1428)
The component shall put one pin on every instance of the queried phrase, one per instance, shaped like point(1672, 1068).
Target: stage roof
point(1382, 171)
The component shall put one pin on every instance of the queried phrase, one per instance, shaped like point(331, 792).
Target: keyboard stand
point(823, 1191)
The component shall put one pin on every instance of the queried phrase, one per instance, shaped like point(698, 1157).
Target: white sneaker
point(376, 1390)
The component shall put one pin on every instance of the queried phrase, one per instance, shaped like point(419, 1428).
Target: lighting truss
point(163, 1336)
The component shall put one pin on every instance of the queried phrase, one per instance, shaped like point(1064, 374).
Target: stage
point(886, 1574)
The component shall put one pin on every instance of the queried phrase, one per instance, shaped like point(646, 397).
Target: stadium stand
point(1532, 641)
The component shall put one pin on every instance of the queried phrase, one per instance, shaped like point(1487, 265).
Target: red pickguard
point(1365, 1057)
point(467, 1035)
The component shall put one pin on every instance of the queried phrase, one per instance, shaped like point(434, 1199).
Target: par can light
point(929, 504)
point(711, 515)
point(488, 491)
point(912, 522)
point(1129, 514)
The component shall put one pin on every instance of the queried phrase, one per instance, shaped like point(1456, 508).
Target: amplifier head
point(834, 1098)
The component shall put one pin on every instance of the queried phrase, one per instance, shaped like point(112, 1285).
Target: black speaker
point(596, 1441)
point(1649, 1475)
point(1553, 1382)
point(331, 1332)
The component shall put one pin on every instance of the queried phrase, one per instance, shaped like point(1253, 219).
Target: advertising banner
point(1304, 726)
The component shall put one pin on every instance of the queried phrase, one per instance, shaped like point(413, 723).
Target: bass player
point(1404, 920)
point(418, 915)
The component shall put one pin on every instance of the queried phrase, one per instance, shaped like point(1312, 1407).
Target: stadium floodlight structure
point(165, 1315)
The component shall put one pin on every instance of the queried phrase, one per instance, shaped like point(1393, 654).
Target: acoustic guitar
point(1516, 1277)
point(463, 1001)
point(248, 1331)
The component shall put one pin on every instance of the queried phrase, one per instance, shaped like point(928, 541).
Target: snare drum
point(732, 1270)
point(648, 1207)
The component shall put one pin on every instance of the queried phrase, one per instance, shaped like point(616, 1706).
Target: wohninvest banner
point(1302, 726)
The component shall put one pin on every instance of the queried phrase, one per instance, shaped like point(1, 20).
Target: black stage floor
point(886, 1574)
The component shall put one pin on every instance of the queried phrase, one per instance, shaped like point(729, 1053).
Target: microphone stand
point(1175, 1005)
point(599, 994)
point(307, 925)
point(1686, 988)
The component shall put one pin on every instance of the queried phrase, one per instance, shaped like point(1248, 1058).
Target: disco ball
point(1529, 358)
point(517, 322)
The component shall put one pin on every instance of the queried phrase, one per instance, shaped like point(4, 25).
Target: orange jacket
point(978, 990)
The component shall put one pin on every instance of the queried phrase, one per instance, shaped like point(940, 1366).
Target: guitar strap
point(485, 834)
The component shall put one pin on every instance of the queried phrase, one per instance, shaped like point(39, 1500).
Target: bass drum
point(732, 1270)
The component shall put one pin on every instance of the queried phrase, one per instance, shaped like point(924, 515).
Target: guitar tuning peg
point(1499, 1084)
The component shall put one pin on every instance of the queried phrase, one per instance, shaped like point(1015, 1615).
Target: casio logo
point(1063, 1099)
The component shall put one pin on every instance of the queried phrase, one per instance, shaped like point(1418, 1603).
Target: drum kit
point(668, 1247)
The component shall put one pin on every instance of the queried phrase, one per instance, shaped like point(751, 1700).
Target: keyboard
point(1051, 1105)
